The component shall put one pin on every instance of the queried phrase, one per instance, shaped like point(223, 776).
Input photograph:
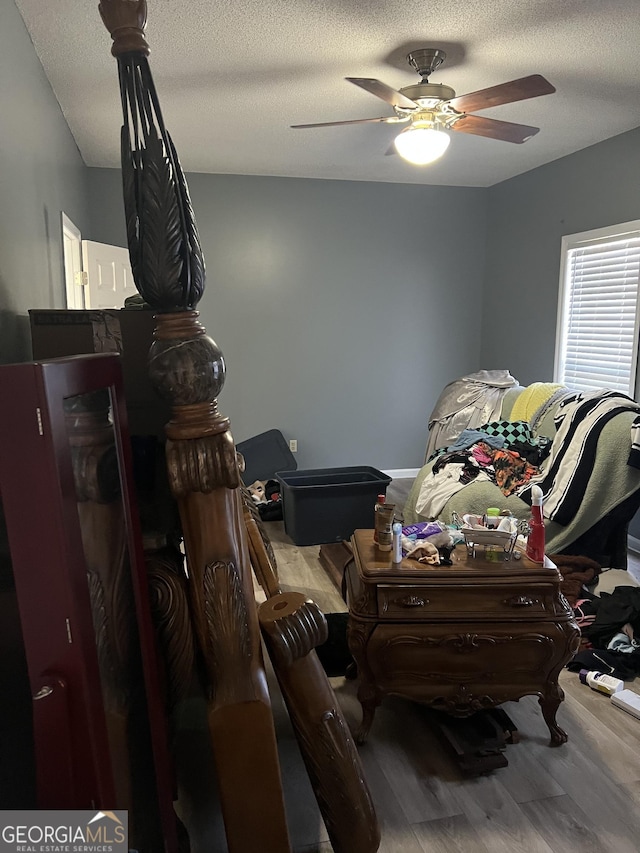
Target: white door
point(72, 253)
point(109, 276)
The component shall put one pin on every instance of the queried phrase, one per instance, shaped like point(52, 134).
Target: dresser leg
point(550, 702)
point(369, 697)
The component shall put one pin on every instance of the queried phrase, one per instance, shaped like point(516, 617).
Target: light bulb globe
point(421, 145)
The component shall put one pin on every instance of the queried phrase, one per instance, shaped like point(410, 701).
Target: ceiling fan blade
point(383, 119)
point(386, 93)
point(507, 131)
point(505, 93)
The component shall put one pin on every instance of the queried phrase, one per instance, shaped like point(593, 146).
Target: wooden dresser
point(459, 638)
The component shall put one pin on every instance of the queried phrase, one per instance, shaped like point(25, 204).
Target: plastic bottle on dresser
point(376, 518)
point(384, 522)
point(535, 540)
point(397, 543)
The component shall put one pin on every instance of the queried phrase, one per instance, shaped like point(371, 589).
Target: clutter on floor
point(610, 628)
point(577, 574)
point(628, 701)
point(601, 683)
point(262, 456)
point(478, 742)
point(606, 605)
point(267, 498)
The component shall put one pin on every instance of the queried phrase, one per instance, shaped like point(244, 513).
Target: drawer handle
point(43, 693)
point(411, 601)
point(521, 601)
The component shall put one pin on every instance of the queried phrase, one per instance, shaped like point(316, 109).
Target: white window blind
point(597, 335)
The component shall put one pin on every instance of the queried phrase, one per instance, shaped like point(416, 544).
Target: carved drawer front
point(417, 603)
point(425, 661)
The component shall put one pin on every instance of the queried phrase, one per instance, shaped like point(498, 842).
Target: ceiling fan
point(433, 108)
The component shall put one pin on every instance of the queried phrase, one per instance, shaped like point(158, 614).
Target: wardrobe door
point(65, 478)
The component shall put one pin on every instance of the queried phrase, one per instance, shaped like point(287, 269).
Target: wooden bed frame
point(221, 539)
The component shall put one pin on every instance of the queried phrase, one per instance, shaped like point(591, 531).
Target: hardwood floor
point(582, 796)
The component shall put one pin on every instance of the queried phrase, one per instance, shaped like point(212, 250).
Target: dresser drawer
point(469, 601)
point(478, 664)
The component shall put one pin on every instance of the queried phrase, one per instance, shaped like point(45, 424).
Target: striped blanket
point(565, 473)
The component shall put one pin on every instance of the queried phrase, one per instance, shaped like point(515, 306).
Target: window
point(598, 309)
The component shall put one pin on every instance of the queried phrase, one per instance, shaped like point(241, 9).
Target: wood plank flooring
point(582, 796)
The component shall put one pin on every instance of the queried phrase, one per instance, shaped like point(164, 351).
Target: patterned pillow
point(513, 432)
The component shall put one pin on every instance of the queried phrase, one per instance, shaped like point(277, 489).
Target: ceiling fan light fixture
point(421, 143)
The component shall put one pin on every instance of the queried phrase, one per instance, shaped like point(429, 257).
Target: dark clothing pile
point(578, 573)
point(610, 625)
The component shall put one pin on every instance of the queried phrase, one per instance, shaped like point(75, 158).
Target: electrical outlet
point(293, 445)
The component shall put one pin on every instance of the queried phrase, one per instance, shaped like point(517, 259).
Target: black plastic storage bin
point(328, 504)
point(265, 454)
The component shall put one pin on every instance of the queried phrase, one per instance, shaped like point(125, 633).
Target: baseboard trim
point(633, 544)
point(405, 473)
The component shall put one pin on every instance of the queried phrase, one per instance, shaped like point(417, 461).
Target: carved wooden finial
point(125, 20)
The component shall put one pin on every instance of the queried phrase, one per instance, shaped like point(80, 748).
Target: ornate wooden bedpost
point(187, 369)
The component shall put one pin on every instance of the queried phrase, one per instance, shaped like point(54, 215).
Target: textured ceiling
point(233, 75)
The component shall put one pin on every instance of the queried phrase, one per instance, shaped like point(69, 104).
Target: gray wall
point(342, 308)
point(41, 173)
point(527, 218)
